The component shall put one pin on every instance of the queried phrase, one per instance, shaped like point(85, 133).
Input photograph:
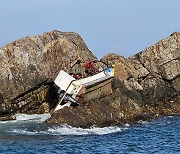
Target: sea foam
point(33, 117)
point(68, 130)
point(34, 125)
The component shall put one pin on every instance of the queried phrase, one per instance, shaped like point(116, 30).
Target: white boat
point(74, 91)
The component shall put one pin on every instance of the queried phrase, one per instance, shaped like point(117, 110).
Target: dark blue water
point(28, 134)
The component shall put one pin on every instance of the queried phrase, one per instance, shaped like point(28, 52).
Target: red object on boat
point(90, 68)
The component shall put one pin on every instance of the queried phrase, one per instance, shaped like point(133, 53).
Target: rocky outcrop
point(162, 64)
point(145, 86)
point(29, 64)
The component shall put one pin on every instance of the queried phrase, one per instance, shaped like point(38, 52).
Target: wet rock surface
point(145, 86)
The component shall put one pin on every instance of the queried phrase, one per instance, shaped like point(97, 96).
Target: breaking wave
point(28, 118)
point(30, 125)
point(33, 117)
point(68, 130)
point(30, 134)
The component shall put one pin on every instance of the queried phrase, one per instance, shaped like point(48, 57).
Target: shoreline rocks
point(146, 85)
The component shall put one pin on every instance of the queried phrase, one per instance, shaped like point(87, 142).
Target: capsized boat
point(74, 91)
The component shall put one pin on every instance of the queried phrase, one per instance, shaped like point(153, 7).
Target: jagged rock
point(30, 61)
point(159, 67)
point(145, 86)
point(162, 59)
point(123, 68)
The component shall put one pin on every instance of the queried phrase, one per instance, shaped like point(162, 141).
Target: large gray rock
point(162, 59)
point(33, 61)
point(158, 69)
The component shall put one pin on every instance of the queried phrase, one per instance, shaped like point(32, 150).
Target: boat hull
point(96, 91)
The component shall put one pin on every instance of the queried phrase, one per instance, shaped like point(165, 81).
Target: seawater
point(29, 134)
